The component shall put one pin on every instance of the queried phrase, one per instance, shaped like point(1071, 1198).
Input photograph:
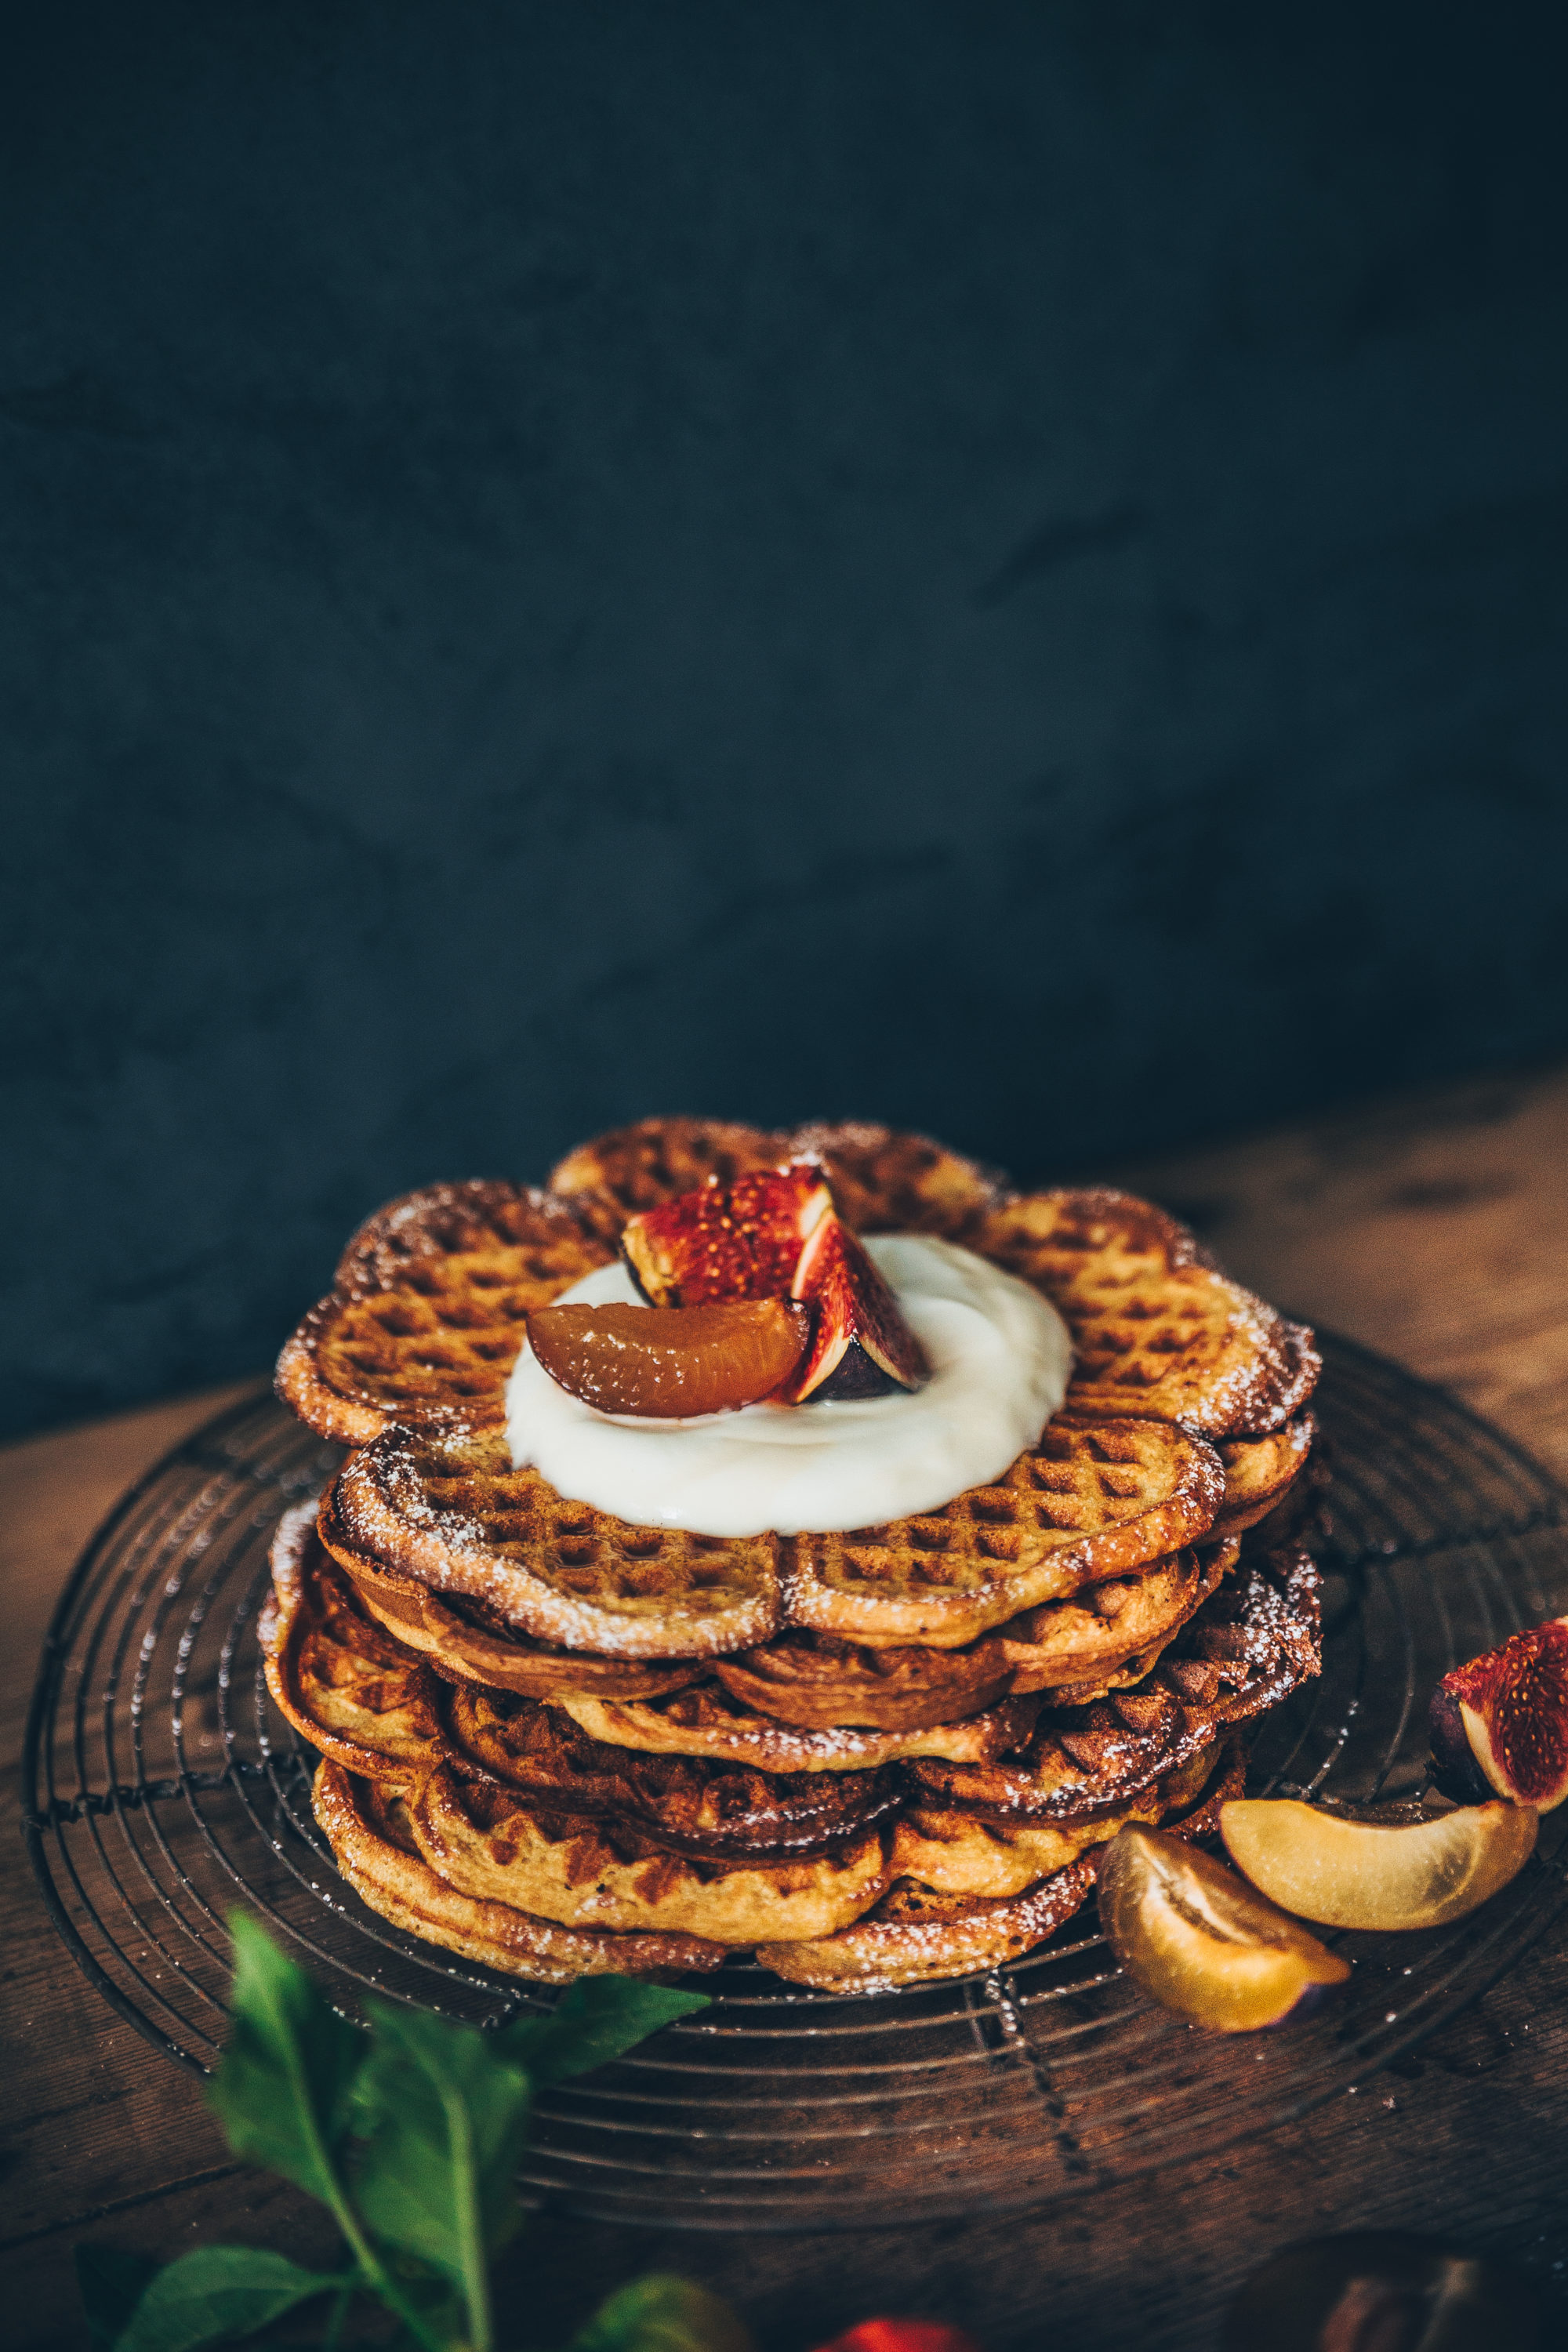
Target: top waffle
point(1157, 1329)
point(430, 1308)
point(433, 1294)
point(409, 1354)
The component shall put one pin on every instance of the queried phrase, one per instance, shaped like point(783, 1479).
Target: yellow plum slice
point(1348, 1874)
point(671, 1362)
point(1197, 1939)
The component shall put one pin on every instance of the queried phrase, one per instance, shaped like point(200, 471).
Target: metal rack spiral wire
point(161, 1789)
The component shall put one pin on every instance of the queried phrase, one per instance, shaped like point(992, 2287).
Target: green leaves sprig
point(411, 2138)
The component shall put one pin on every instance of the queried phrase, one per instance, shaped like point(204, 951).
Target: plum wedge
point(1374, 1875)
point(1197, 1939)
point(672, 1363)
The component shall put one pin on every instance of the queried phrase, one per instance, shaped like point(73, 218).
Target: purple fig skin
point(853, 1377)
point(1316, 1997)
point(1455, 1771)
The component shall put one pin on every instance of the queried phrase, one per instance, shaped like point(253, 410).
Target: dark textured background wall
point(994, 565)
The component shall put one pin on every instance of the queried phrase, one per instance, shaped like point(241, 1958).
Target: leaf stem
point(465, 2192)
point(341, 2303)
point(372, 2270)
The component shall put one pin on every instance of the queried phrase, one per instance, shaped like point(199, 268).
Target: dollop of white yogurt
point(1000, 1359)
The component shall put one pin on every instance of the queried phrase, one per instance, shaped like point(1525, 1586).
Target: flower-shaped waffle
point(560, 1740)
point(1246, 1649)
point(367, 1828)
point(410, 1353)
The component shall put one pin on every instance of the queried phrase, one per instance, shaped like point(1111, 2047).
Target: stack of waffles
point(561, 1743)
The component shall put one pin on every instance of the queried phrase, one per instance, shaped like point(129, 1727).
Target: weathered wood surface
point(1436, 1229)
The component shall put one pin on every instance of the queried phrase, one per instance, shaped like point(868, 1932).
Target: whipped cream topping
point(1000, 1359)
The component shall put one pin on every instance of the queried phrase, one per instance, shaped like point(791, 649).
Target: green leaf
point(445, 2114)
point(281, 2087)
point(660, 2314)
point(111, 2283)
point(218, 2291)
point(595, 2020)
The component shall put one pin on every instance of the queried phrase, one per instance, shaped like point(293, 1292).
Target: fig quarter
point(862, 1347)
point(720, 1243)
point(1500, 1722)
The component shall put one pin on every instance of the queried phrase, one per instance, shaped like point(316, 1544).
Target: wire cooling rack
point(162, 1790)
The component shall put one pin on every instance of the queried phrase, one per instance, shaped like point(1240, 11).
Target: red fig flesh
point(727, 1241)
point(862, 1347)
point(1511, 1709)
point(672, 1363)
point(901, 2336)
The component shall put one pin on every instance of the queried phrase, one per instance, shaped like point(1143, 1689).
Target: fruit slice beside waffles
point(874, 1753)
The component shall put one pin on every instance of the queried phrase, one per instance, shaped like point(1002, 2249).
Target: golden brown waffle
point(378, 1710)
point(706, 1721)
point(1260, 1471)
point(372, 1842)
point(449, 1511)
point(883, 1179)
point(958, 1852)
point(1089, 1503)
point(455, 1638)
point(343, 1682)
point(358, 1696)
point(430, 1308)
point(1157, 1329)
point(916, 1935)
point(503, 1847)
point(715, 1811)
point(637, 1167)
point(367, 1828)
point(1246, 1649)
point(1094, 1499)
point(426, 1316)
point(1113, 1635)
point(1116, 1632)
point(816, 1681)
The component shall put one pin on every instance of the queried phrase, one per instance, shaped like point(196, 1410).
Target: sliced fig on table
point(1343, 1872)
point(1383, 2291)
point(672, 1363)
point(723, 1242)
point(1501, 1722)
point(1200, 1941)
point(862, 1347)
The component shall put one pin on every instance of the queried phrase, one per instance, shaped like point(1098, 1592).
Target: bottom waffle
point(913, 1932)
point(372, 1844)
point(607, 1871)
point(917, 1936)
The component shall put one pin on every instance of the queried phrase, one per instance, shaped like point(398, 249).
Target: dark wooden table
point(1434, 1228)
